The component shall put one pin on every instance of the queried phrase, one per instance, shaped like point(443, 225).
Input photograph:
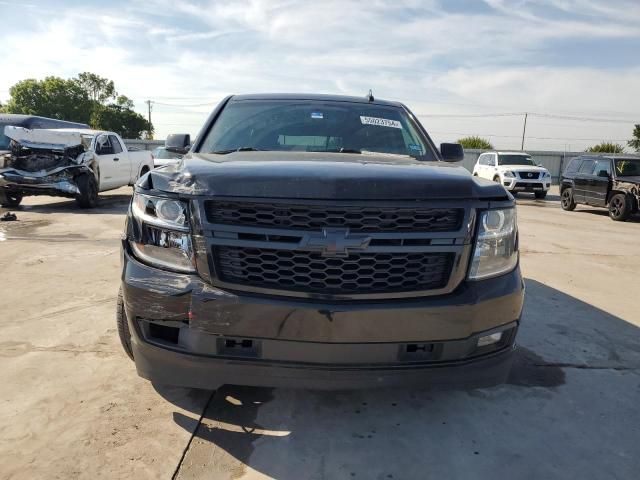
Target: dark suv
point(320, 242)
point(602, 181)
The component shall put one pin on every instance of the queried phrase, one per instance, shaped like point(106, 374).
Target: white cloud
point(475, 61)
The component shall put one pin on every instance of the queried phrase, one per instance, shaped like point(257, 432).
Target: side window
point(587, 167)
point(491, 159)
point(603, 166)
point(115, 144)
point(103, 145)
point(574, 165)
point(481, 159)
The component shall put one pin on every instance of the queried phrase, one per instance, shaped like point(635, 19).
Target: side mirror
point(451, 152)
point(603, 173)
point(178, 143)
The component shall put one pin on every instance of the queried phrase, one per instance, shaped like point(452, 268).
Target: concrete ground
point(71, 405)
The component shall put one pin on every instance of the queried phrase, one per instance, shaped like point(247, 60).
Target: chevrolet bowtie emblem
point(334, 242)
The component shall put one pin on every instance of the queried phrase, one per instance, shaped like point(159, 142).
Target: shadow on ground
point(107, 204)
point(575, 374)
point(603, 212)
point(530, 199)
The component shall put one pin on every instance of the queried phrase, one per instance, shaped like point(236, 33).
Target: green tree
point(99, 89)
point(52, 97)
point(635, 143)
point(606, 147)
point(475, 142)
point(120, 119)
point(88, 98)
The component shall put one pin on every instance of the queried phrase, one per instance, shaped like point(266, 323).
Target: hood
point(523, 168)
point(635, 179)
point(309, 175)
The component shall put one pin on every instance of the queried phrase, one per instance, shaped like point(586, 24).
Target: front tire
point(619, 207)
point(566, 199)
point(540, 195)
point(10, 200)
point(88, 196)
point(123, 327)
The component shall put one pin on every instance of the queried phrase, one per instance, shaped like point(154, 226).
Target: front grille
point(315, 217)
point(312, 273)
point(529, 175)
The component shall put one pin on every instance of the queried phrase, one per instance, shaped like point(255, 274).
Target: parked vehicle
point(162, 156)
point(602, 181)
point(76, 163)
point(319, 241)
point(31, 122)
point(516, 171)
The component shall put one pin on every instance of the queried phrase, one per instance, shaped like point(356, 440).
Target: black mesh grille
point(529, 175)
point(313, 273)
point(356, 218)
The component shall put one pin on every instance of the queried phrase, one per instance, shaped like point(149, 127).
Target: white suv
point(516, 171)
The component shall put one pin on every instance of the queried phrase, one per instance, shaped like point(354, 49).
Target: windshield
point(315, 126)
point(515, 160)
point(163, 154)
point(628, 167)
point(4, 140)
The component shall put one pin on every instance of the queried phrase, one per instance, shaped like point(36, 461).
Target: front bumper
point(516, 184)
point(58, 184)
point(187, 333)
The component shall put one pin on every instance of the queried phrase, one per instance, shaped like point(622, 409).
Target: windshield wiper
point(240, 149)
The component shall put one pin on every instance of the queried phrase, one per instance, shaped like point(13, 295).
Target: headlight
point(546, 174)
point(163, 212)
point(509, 174)
point(496, 249)
point(164, 238)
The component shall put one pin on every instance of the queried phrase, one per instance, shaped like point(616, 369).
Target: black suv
point(602, 181)
point(320, 242)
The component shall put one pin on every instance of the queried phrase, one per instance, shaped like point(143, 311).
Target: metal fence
point(552, 160)
point(555, 162)
point(143, 144)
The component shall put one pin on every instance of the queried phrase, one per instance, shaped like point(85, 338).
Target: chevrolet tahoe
point(322, 242)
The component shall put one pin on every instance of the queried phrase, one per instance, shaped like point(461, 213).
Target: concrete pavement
point(71, 405)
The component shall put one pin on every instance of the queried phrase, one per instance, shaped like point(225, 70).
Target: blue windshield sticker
point(413, 146)
point(317, 115)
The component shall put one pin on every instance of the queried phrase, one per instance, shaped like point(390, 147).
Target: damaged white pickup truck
point(68, 163)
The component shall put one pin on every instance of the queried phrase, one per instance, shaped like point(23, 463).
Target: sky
point(465, 67)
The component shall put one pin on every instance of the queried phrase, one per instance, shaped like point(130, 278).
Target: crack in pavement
point(193, 434)
point(14, 349)
point(76, 308)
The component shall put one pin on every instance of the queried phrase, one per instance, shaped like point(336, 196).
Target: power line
point(531, 137)
point(465, 115)
point(541, 115)
point(185, 106)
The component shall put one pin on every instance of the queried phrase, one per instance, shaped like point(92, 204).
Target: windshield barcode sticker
point(380, 122)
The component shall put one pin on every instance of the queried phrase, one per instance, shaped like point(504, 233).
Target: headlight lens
point(546, 174)
point(496, 249)
point(164, 238)
point(162, 212)
point(509, 174)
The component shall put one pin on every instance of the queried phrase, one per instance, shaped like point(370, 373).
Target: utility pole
point(524, 129)
point(148, 102)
